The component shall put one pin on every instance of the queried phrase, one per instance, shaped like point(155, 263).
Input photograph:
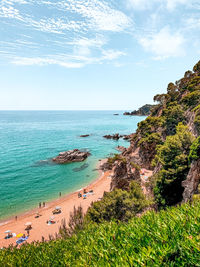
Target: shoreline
point(33, 210)
point(67, 203)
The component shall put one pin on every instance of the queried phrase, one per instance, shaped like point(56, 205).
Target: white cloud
point(141, 4)
point(25, 61)
point(75, 60)
point(112, 54)
point(172, 4)
point(149, 4)
point(99, 15)
point(164, 44)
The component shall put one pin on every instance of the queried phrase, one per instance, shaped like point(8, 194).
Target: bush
point(119, 205)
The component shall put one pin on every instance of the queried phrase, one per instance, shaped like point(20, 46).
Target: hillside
point(168, 143)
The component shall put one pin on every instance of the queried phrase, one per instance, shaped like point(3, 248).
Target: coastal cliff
point(143, 111)
point(163, 143)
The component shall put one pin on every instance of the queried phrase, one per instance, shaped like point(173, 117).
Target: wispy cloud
point(164, 44)
point(79, 28)
point(68, 61)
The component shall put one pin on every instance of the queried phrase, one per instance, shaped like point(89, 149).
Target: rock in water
point(71, 156)
point(84, 135)
point(82, 167)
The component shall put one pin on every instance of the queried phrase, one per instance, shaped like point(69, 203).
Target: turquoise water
point(28, 139)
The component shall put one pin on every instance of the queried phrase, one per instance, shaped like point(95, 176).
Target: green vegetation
point(116, 157)
point(119, 205)
point(167, 238)
point(173, 156)
point(195, 150)
point(191, 100)
point(173, 115)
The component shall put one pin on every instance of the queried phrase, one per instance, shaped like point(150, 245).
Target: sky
point(94, 54)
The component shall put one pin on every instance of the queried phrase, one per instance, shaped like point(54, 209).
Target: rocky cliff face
point(191, 183)
point(123, 174)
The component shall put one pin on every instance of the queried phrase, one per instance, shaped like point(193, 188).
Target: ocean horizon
point(29, 139)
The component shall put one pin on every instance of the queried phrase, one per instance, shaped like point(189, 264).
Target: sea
point(30, 139)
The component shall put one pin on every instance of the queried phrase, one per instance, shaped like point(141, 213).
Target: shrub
point(118, 204)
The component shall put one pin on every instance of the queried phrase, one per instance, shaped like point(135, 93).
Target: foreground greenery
point(168, 238)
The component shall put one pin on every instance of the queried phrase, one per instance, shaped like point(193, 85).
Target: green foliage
point(136, 166)
point(75, 224)
point(113, 159)
point(192, 99)
point(197, 67)
point(118, 204)
point(173, 115)
point(167, 238)
point(173, 156)
point(195, 150)
point(194, 84)
point(149, 125)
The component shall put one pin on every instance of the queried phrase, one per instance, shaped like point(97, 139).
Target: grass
point(168, 238)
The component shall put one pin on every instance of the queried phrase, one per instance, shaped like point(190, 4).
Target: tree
point(173, 156)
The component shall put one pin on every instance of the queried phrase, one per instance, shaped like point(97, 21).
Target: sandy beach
point(39, 226)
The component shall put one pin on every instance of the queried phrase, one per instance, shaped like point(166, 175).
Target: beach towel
point(21, 240)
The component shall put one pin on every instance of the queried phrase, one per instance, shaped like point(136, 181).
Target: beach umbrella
point(28, 223)
point(52, 218)
point(7, 231)
point(58, 208)
point(19, 235)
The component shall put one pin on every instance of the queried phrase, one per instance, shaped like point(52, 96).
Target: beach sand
point(39, 226)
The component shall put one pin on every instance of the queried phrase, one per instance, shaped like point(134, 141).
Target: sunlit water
point(28, 139)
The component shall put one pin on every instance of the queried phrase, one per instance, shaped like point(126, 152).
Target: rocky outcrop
point(118, 136)
point(84, 135)
point(71, 156)
point(121, 148)
point(114, 136)
point(123, 174)
point(192, 181)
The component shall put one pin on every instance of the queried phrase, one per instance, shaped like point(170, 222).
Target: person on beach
point(43, 204)
point(15, 218)
point(60, 194)
point(40, 205)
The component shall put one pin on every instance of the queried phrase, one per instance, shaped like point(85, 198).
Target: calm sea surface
point(28, 139)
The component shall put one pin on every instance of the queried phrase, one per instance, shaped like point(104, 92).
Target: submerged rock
point(71, 156)
point(82, 167)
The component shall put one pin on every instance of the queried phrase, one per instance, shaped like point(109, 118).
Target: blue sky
point(92, 54)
